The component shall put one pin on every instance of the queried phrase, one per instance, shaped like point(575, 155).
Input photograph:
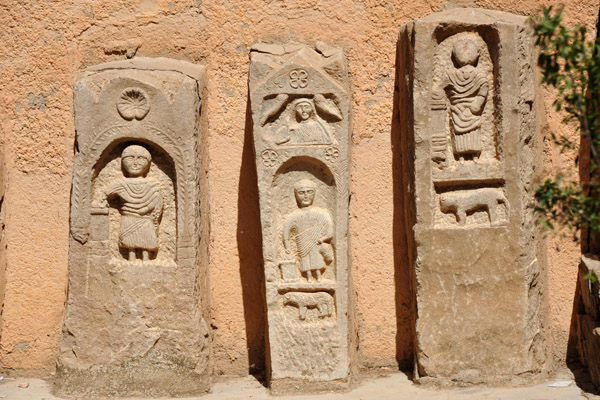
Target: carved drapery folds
point(469, 152)
point(134, 315)
point(466, 144)
point(300, 112)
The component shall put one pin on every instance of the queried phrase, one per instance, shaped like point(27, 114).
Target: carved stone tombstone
point(300, 110)
point(134, 323)
point(469, 144)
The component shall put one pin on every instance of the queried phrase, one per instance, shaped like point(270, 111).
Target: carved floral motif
point(269, 158)
point(331, 153)
point(133, 103)
point(298, 78)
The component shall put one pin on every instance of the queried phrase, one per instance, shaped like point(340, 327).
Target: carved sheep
point(322, 301)
point(460, 202)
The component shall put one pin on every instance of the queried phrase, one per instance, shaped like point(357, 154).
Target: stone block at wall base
point(587, 321)
point(470, 147)
point(135, 323)
point(136, 378)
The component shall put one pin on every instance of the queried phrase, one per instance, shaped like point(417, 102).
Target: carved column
point(134, 323)
point(470, 147)
point(301, 115)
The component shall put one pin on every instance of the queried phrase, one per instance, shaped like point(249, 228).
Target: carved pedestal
point(468, 112)
point(300, 110)
point(134, 323)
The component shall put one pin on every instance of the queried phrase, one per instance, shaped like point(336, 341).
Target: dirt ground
point(396, 386)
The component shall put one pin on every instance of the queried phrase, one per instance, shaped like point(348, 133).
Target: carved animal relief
point(301, 114)
point(322, 302)
point(461, 202)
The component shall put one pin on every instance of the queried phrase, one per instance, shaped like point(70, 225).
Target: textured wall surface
point(43, 44)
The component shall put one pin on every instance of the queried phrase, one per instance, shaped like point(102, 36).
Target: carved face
point(305, 196)
point(135, 160)
point(304, 110)
point(465, 52)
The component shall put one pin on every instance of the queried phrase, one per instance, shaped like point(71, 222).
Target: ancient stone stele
point(135, 315)
point(470, 149)
point(300, 110)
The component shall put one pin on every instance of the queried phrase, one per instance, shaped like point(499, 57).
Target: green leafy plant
point(571, 64)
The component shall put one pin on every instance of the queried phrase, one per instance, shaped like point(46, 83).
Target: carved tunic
point(311, 225)
point(464, 87)
point(309, 132)
point(306, 132)
point(140, 212)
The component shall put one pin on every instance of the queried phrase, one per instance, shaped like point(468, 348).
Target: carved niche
point(300, 110)
point(469, 144)
point(466, 144)
point(134, 313)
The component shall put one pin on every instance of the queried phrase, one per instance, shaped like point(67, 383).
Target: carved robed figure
point(141, 203)
point(467, 88)
point(313, 230)
point(308, 127)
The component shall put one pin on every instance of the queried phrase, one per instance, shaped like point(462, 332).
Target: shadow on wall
point(400, 125)
point(249, 241)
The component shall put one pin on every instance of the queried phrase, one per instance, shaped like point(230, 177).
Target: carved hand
point(283, 135)
point(477, 105)
point(437, 96)
point(324, 239)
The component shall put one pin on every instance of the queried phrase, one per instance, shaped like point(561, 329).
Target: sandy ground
point(395, 386)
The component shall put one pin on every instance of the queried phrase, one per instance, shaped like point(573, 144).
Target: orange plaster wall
point(43, 44)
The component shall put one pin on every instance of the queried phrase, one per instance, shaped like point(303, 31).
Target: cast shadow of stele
point(402, 225)
point(249, 241)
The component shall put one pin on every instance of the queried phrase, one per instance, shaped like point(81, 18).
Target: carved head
point(305, 190)
point(465, 52)
point(304, 109)
point(135, 160)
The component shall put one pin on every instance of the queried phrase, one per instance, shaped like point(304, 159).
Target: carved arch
point(87, 159)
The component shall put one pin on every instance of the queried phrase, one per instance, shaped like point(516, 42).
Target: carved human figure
point(313, 229)
point(141, 203)
point(467, 89)
point(307, 127)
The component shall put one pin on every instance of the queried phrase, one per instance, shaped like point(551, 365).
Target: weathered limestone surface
point(3, 242)
point(586, 316)
point(134, 323)
point(301, 116)
point(468, 111)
